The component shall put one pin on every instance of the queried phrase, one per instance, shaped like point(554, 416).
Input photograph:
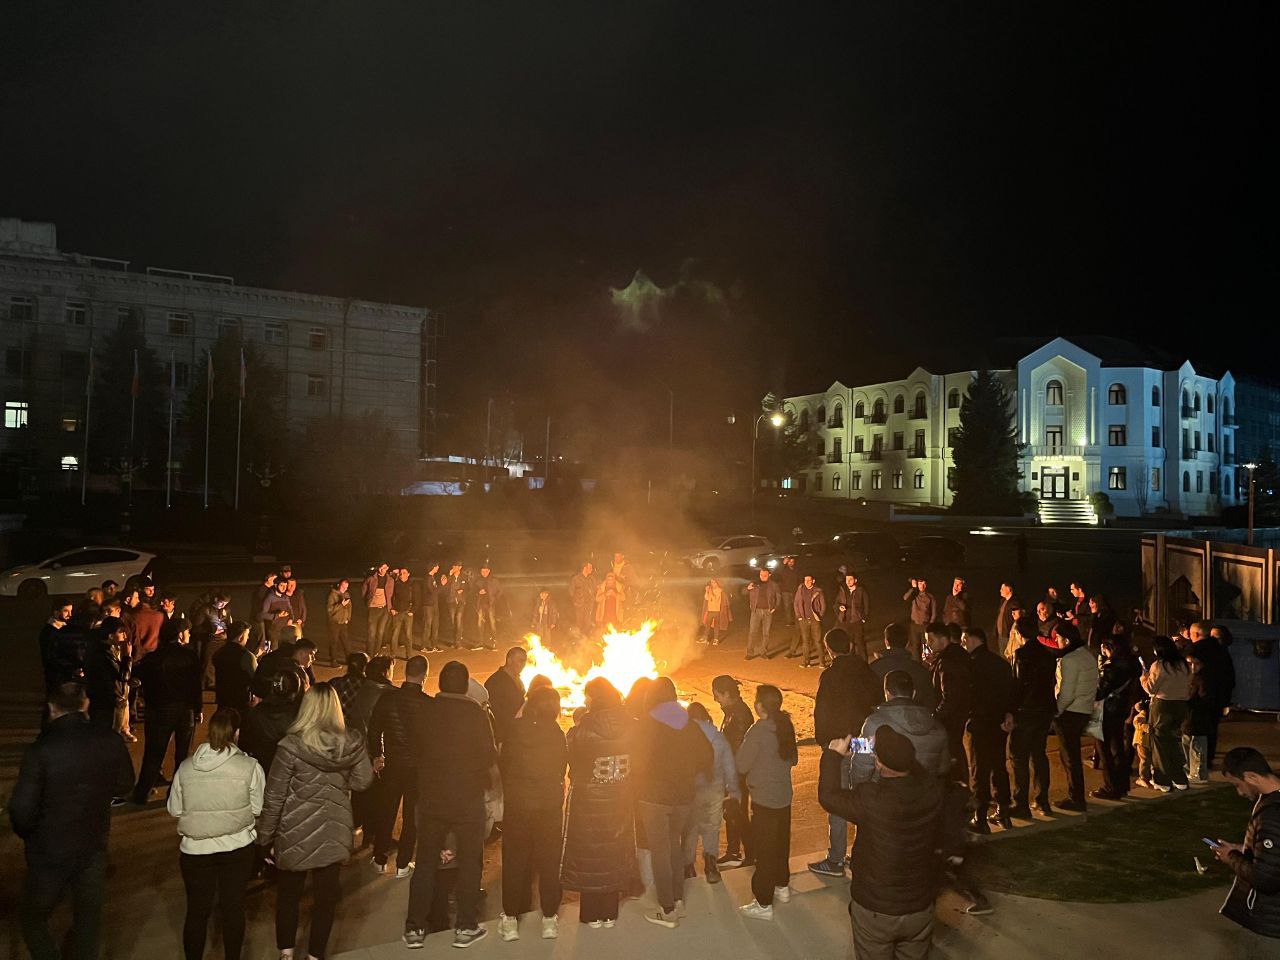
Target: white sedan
point(726, 552)
point(73, 572)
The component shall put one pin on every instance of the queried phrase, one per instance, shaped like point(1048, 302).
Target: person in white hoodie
point(1077, 683)
point(217, 795)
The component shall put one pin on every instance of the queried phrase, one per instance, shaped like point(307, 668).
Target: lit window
point(877, 479)
point(1116, 479)
point(835, 482)
point(179, 324)
point(859, 410)
point(917, 480)
point(1116, 435)
point(1155, 479)
point(275, 334)
point(897, 479)
point(70, 463)
point(1116, 395)
point(317, 386)
point(318, 338)
point(855, 480)
point(15, 414)
point(22, 309)
point(77, 313)
point(70, 424)
point(1053, 393)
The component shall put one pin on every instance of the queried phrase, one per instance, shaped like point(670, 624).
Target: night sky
point(844, 192)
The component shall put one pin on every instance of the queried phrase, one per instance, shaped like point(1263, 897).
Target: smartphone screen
point(861, 744)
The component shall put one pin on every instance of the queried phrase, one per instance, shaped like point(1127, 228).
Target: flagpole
point(88, 403)
point(133, 409)
point(208, 404)
point(168, 465)
point(239, 417)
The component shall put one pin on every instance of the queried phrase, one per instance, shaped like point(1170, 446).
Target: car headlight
point(754, 562)
point(771, 564)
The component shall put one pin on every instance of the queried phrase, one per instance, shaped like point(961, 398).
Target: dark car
point(821, 558)
point(869, 548)
point(934, 552)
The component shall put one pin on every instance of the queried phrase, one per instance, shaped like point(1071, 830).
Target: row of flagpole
point(135, 388)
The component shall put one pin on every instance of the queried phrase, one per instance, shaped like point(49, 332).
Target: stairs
point(1077, 513)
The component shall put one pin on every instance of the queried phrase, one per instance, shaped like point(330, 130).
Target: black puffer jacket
point(599, 846)
point(265, 725)
point(1254, 900)
point(953, 685)
point(533, 762)
point(398, 711)
point(1035, 670)
point(848, 691)
point(895, 863)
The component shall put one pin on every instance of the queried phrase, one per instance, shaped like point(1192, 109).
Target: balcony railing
point(917, 453)
point(919, 414)
point(875, 417)
point(835, 423)
point(1190, 453)
point(1055, 450)
point(834, 457)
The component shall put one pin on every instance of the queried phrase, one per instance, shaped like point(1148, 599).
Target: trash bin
point(1257, 678)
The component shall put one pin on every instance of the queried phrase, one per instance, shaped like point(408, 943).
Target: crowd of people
point(940, 733)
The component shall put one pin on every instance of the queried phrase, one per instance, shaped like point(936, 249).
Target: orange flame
point(626, 658)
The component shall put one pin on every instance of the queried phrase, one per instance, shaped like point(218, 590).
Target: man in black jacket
point(61, 808)
point(987, 730)
point(1219, 676)
point(1254, 900)
point(171, 684)
point(738, 719)
point(895, 863)
point(454, 745)
point(852, 610)
point(953, 687)
point(506, 691)
point(1035, 678)
point(847, 693)
point(106, 672)
point(395, 716)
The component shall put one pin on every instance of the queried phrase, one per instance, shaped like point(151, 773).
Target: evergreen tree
point(113, 385)
point(986, 450)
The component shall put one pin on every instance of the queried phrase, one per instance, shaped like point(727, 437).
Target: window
point(1155, 436)
point(1116, 435)
point(917, 480)
point(951, 478)
point(877, 411)
point(858, 444)
point(1209, 440)
point(1155, 396)
point(317, 386)
point(70, 463)
point(70, 423)
point(1195, 402)
point(835, 483)
point(1155, 479)
point(1213, 483)
point(952, 434)
point(953, 399)
point(318, 338)
point(876, 479)
point(22, 309)
point(917, 446)
point(17, 362)
point(1209, 403)
point(899, 442)
point(1186, 482)
point(229, 327)
point(76, 313)
point(859, 409)
point(855, 480)
point(15, 414)
point(1199, 481)
point(181, 375)
point(918, 410)
point(124, 318)
point(822, 413)
point(179, 323)
point(1053, 438)
point(1197, 435)
point(275, 334)
point(899, 403)
point(820, 447)
point(804, 421)
point(817, 483)
point(1116, 479)
point(837, 450)
point(75, 365)
point(897, 479)
point(1053, 393)
point(1116, 395)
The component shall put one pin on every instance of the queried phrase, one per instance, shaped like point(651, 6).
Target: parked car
point(726, 552)
point(869, 548)
point(935, 552)
point(72, 572)
point(821, 558)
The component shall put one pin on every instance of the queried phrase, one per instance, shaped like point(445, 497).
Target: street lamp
point(777, 420)
point(1250, 467)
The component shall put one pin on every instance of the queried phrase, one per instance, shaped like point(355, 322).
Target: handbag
point(1094, 727)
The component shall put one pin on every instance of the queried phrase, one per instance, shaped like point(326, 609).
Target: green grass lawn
point(1143, 852)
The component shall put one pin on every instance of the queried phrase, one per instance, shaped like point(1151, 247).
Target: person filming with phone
point(1254, 900)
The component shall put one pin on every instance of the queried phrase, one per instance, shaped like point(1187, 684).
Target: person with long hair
point(216, 795)
point(599, 843)
point(306, 814)
point(767, 755)
point(1168, 682)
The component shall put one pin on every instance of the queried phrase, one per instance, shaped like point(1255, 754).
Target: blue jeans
point(761, 621)
point(838, 852)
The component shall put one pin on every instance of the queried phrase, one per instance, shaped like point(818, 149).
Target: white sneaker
point(550, 928)
point(595, 924)
point(608, 924)
point(782, 894)
point(379, 868)
point(1160, 787)
point(1179, 786)
point(509, 928)
point(403, 872)
point(681, 912)
point(755, 911)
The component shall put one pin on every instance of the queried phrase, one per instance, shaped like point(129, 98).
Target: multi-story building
point(1091, 415)
point(337, 357)
point(1258, 420)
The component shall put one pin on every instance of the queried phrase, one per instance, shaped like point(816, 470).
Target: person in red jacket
point(143, 623)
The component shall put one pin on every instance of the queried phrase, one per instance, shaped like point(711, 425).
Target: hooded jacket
point(761, 762)
point(672, 753)
point(1077, 679)
point(306, 812)
point(599, 845)
point(900, 659)
point(533, 762)
point(724, 771)
point(1254, 900)
point(915, 722)
point(216, 796)
point(265, 725)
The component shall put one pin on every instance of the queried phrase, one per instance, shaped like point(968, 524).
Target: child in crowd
point(1142, 743)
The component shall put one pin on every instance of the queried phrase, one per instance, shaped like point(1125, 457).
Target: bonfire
point(625, 658)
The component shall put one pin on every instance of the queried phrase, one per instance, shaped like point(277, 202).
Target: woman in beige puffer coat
point(307, 814)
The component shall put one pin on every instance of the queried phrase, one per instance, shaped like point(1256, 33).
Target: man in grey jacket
point(923, 608)
point(909, 718)
point(1077, 684)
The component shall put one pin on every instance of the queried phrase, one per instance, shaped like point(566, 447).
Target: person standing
point(809, 606)
point(276, 614)
point(260, 594)
point(506, 691)
point(545, 615)
point(902, 711)
point(209, 624)
point(953, 690)
point(895, 865)
point(599, 842)
point(986, 732)
point(348, 685)
point(1004, 617)
point(396, 717)
point(1219, 673)
point(1195, 730)
point(767, 755)
point(337, 608)
point(268, 721)
point(923, 610)
point(426, 609)
point(582, 594)
point(487, 596)
point(955, 610)
point(402, 610)
point(106, 673)
point(1035, 676)
point(377, 591)
point(1254, 900)
point(306, 814)
point(611, 603)
point(171, 685)
point(896, 656)
point(233, 670)
point(1117, 680)
point(852, 610)
point(737, 720)
point(710, 788)
point(61, 809)
point(533, 764)
point(297, 604)
point(217, 795)
point(788, 583)
point(717, 613)
point(847, 693)
point(1168, 683)
point(144, 625)
point(455, 750)
point(764, 598)
point(457, 592)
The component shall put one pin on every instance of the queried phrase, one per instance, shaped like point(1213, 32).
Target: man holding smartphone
point(1254, 900)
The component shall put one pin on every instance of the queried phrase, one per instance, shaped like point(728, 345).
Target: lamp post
point(1250, 467)
point(777, 420)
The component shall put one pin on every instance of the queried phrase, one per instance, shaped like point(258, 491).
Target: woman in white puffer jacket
point(216, 796)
